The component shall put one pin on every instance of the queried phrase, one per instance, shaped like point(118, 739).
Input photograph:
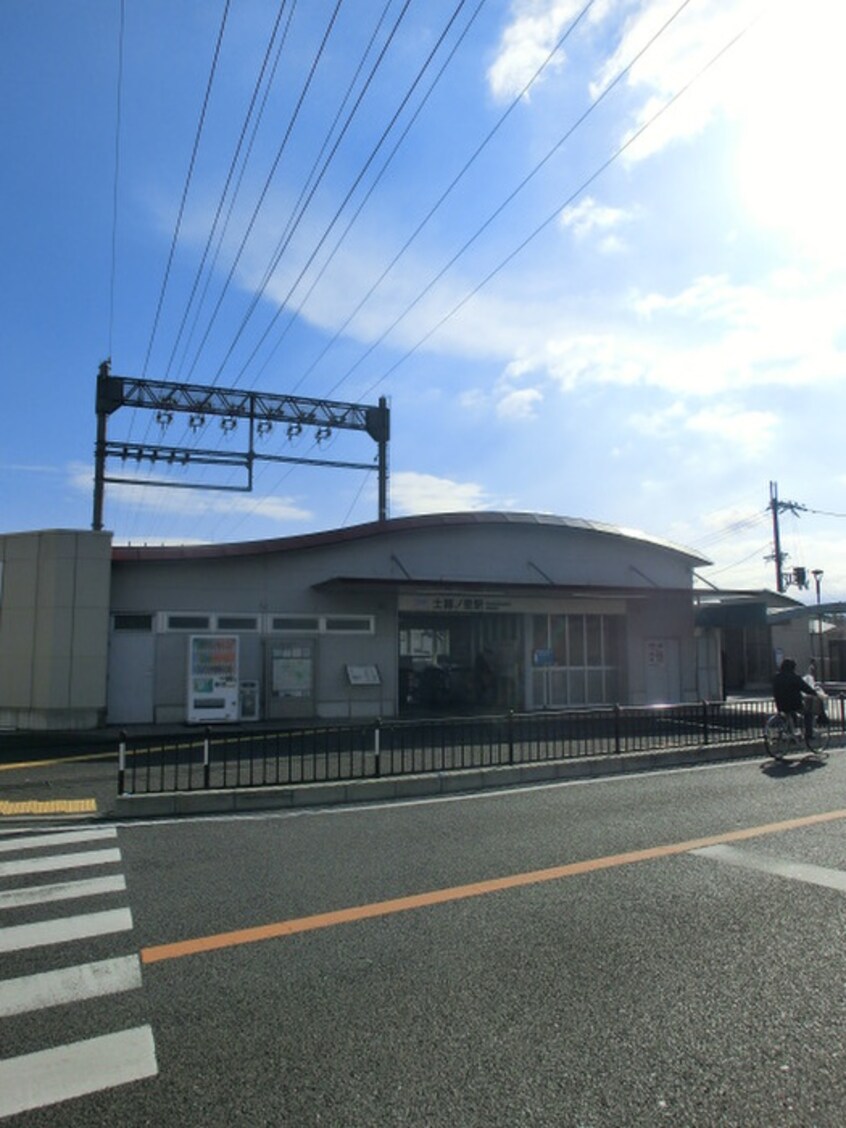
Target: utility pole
point(776, 537)
point(778, 556)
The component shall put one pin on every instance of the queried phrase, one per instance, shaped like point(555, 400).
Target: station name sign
point(493, 602)
point(458, 602)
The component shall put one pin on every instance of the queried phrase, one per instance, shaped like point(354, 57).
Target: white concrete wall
point(54, 614)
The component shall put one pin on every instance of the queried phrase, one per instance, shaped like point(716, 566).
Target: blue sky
point(628, 306)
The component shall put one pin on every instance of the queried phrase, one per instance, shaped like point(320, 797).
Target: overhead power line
point(236, 192)
point(303, 205)
point(305, 199)
point(188, 177)
point(385, 133)
point(441, 199)
point(225, 191)
point(544, 224)
point(268, 180)
point(118, 98)
point(501, 208)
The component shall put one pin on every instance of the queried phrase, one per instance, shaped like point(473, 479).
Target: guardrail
point(252, 757)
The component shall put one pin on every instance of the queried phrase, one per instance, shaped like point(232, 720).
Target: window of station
point(132, 622)
point(322, 624)
point(349, 624)
point(299, 624)
point(577, 659)
point(237, 623)
point(188, 622)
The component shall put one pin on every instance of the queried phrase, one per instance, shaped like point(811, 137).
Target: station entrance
point(468, 661)
point(491, 654)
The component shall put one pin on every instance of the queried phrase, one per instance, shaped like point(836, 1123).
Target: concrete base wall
point(54, 615)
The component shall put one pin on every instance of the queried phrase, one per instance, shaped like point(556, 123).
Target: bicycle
point(783, 734)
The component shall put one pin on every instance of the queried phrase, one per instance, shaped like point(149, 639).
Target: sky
point(591, 253)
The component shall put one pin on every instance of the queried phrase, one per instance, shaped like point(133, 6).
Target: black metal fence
point(254, 757)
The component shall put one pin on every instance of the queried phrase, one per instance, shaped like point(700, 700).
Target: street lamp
point(818, 573)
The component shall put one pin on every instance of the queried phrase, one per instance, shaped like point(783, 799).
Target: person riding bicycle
point(790, 690)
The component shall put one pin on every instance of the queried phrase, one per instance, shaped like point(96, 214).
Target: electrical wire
point(188, 178)
point(348, 94)
point(549, 219)
point(119, 95)
point(282, 246)
point(268, 179)
point(232, 166)
point(544, 224)
point(737, 563)
point(285, 242)
point(312, 71)
point(339, 211)
point(501, 208)
point(438, 203)
point(237, 190)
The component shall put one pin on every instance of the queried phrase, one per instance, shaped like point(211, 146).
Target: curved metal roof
point(387, 528)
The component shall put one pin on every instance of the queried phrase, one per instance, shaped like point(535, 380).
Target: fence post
point(121, 762)
point(617, 719)
point(704, 722)
point(510, 736)
point(377, 746)
point(206, 758)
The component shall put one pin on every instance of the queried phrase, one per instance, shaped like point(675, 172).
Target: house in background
point(754, 630)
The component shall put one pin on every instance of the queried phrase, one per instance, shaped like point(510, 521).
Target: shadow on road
point(792, 766)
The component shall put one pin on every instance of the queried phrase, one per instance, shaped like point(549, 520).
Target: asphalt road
point(662, 949)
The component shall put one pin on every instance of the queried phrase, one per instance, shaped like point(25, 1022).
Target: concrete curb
point(416, 786)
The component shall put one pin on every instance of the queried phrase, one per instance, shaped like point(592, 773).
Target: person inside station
point(485, 677)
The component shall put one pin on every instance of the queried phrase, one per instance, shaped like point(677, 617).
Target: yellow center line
point(58, 760)
point(181, 948)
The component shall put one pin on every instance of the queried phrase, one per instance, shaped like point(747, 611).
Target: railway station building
point(469, 612)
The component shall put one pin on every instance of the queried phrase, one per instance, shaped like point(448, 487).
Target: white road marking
point(62, 891)
point(69, 985)
point(59, 862)
point(41, 933)
point(778, 867)
point(39, 841)
point(43, 1078)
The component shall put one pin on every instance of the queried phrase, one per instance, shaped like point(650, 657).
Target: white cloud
point(588, 216)
point(188, 503)
point(519, 404)
point(676, 50)
point(535, 28)
point(412, 492)
point(748, 433)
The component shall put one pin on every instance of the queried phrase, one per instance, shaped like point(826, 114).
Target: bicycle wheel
point(777, 736)
point(819, 737)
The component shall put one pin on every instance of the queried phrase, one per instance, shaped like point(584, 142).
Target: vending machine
point(213, 688)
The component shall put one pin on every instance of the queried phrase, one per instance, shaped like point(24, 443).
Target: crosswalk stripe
point(69, 985)
point(778, 867)
point(62, 838)
point(62, 891)
point(59, 862)
point(48, 1076)
point(40, 933)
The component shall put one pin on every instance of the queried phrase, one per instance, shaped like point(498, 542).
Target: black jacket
point(788, 691)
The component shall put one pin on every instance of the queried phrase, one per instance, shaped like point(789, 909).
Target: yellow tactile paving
point(48, 807)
